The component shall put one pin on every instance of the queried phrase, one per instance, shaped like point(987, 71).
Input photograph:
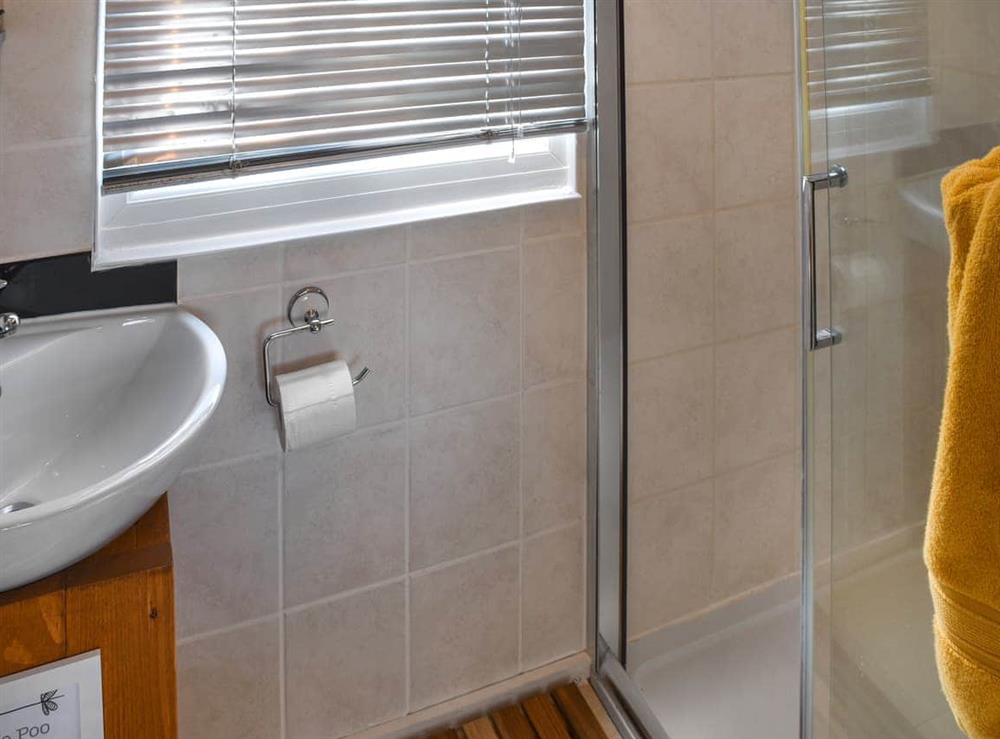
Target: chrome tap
point(8, 321)
point(8, 324)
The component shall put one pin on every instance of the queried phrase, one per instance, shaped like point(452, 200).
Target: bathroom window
point(230, 123)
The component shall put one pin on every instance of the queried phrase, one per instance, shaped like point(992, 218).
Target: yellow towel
point(962, 545)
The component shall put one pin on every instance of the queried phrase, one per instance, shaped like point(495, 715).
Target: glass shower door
point(895, 92)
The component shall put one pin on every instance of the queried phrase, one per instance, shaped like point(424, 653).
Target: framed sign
point(61, 700)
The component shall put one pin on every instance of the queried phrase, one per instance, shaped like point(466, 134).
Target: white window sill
point(260, 209)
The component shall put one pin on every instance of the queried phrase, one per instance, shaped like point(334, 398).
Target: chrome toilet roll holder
point(307, 311)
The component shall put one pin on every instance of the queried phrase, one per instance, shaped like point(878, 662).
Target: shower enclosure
point(762, 463)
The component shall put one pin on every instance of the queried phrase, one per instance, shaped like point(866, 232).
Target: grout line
point(231, 462)
point(718, 473)
point(282, 678)
point(555, 236)
point(283, 284)
point(554, 529)
point(785, 200)
point(520, 448)
point(712, 345)
point(343, 595)
point(280, 455)
point(713, 395)
point(555, 382)
point(49, 144)
point(407, 585)
point(257, 621)
point(464, 254)
point(438, 566)
point(462, 406)
point(710, 79)
point(726, 601)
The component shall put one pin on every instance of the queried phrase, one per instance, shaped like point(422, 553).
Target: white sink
point(923, 214)
point(98, 412)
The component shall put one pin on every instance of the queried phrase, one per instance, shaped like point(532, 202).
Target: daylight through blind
point(869, 73)
point(203, 88)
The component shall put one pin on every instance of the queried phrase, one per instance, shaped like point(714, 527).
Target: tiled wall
point(437, 549)
point(964, 36)
point(712, 301)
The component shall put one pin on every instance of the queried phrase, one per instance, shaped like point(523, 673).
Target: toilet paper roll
point(317, 404)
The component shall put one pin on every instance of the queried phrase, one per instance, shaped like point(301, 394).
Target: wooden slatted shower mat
point(569, 711)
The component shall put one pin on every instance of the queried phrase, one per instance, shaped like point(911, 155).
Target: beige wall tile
point(756, 285)
point(344, 516)
point(669, 129)
point(883, 505)
point(670, 422)
point(755, 398)
point(961, 101)
point(474, 232)
point(925, 350)
point(756, 520)
point(555, 309)
point(46, 200)
point(754, 140)
point(848, 371)
point(850, 526)
point(667, 40)
point(227, 684)
point(463, 627)
point(370, 330)
point(920, 438)
point(47, 74)
point(463, 481)
point(553, 611)
point(464, 330)
point(752, 37)
point(669, 286)
point(556, 218)
point(885, 362)
point(311, 259)
point(670, 556)
point(346, 664)
point(228, 271)
point(224, 525)
point(554, 455)
point(243, 423)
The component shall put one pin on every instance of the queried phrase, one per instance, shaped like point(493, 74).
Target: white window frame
point(307, 202)
point(315, 200)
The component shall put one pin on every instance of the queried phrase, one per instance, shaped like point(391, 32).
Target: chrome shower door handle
point(816, 338)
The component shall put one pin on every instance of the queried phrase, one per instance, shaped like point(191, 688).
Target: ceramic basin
point(922, 216)
point(98, 414)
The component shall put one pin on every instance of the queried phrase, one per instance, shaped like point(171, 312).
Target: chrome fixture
point(8, 321)
point(817, 338)
point(8, 324)
point(306, 312)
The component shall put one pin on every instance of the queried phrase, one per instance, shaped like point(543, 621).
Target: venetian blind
point(866, 52)
point(207, 88)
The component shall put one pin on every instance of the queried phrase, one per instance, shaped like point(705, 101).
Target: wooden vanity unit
point(119, 600)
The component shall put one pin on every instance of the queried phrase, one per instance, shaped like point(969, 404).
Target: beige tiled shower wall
point(437, 549)
point(712, 303)
point(964, 45)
